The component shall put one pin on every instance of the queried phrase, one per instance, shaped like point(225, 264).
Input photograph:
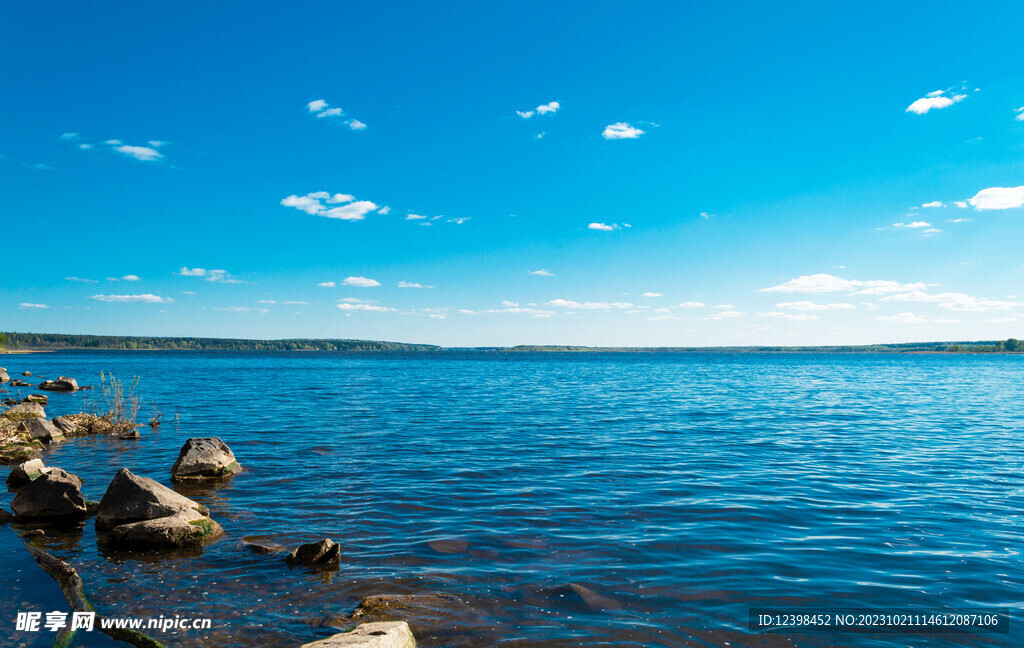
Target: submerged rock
point(26, 373)
point(389, 607)
point(387, 634)
point(63, 383)
point(25, 472)
point(42, 430)
point(24, 411)
point(53, 494)
point(20, 383)
point(261, 547)
point(325, 554)
point(206, 458)
point(139, 512)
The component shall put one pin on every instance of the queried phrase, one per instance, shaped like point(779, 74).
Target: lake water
point(679, 490)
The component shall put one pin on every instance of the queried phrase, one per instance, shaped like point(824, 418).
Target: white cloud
point(932, 204)
point(316, 204)
point(327, 284)
point(85, 147)
point(384, 211)
point(69, 137)
point(156, 143)
point(821, 283)
point(32, 306)
point(360, 282)
point(349, 306)
point(355, 124)
point(962, 204)
point(415, 217)
point(317, 105)
point(706, 215)
point(811, 306)
point(1001, 320)
point(540, 135)
point(213, 276)
point(725, 314)
point(146, 299)
point(114, 142)
point(798, 317)
point(621, 130)
point(652, 294)
point(954, 301)
point(408, 284)
point(541, 273)
point(80, 280)
point(549, 108)
point(240, 309)
point(320, 108)
point(144, 153)
point(266, 301)
point(692, 304)
point(935, 100)
point(567, 303)
point(331, 112)
point(914, 225)
point(601, 226)
point(1020, 113)
point(903, 318)
point(959, 220)
point(130, 277)
point(724, 306)
point(295, 303)
point(998, 198)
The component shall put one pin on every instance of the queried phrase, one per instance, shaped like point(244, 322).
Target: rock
point(262, 548)
point(63, 383)
point(54, 494)
point(36, 398)
point(392, 607)
point(66, 426)
point(25, 472)
point(10, 402)
point(87, 423)
point(41, 429)
point(386, 634)
point(4, 377)
point(20, 383)
point(325, 554)
point(187, 528)
point(5, 517)
point(133, 498)
point(26, 373)
point(34, 533)
point(24, 411)
point(208, 458)
point(128, 434)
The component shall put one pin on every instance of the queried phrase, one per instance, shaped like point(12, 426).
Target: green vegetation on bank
point(55, 341)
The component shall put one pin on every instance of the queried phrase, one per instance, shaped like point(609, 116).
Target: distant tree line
point(105, 342)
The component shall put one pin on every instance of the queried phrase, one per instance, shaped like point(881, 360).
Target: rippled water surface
point(615, 500)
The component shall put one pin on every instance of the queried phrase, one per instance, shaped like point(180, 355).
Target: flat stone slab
point(386, 634)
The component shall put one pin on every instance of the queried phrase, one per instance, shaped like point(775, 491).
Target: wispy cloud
point(29, 306)
point(351, 307)
point(322, 110)
point(652, 294)
point(621, 130)
point(1020, 113)
point(811, 306)
point(822, 283)
point(797, 317)
point(933, 204)
point(241, 309)
point(954, 301)
point(604, 227)
point(80, 280)
point(415, 217)
point(726, 314)
point(549, 108)
point(568, 303)
point(903, 318)
point(128, 277)
point(327, 284)
point(144, 153)
point(541, 273)
point(692, 304)
point(935, 101)
point(998, 198)
point(337, 206)
point(409, 284)
point(213, 276)
point(914, 225)
point(145, 299)
point(361, 282)
point(69, 137)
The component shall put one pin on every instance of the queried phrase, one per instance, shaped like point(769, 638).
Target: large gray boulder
point(53, 494)
point(4, 377)
point(325, 555)
point(25, 472)
point(42, 430)
point(206, 458)
point(133, 498)
point(63, 383)
point(188, 528)
point(385, 634)
point(141, 513)
point(25, 411)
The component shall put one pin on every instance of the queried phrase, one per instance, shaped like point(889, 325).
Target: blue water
point(681, 489)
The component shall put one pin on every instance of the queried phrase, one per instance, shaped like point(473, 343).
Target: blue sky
point(487, 174)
